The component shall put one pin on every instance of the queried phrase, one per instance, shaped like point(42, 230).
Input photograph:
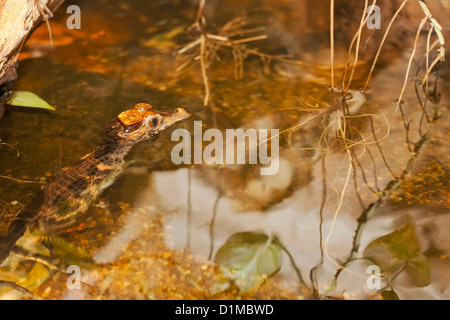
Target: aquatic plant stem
point(364, 18)
point(382, 43)
point(15, 286)
point(367, 213)
point(203, 68)
point(411, 58)
point(332, 42)
point(20, 180)
point(46, 14)
point(212, 224)
point(306, 291)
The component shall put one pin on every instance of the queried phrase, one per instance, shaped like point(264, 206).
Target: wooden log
point(18, 20)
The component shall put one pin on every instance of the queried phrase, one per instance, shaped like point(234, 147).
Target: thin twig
point(203, 68)
point(382, 43)
point(332, 42)
point(387, 191)
point(15, 286)
point(411, 58)
point(364, 18)
point(20, 180)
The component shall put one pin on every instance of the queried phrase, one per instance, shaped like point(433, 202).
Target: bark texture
point(18, 20)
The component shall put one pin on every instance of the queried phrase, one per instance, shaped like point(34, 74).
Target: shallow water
point(158, 230)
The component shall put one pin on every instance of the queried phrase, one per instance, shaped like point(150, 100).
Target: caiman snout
point(169, 118)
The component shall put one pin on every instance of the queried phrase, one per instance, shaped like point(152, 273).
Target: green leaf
point(397, 249)
point(71, 254)
point(35, 277)
point(389, 295)
point(67, 252)
point(250, 258)
point(419, 270)
point(394, 249)
point(28, 99)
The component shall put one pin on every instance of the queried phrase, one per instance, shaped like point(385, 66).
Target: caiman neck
point(112, 151)
point(112, 148)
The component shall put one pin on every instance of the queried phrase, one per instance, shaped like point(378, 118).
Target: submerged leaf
point(419, 269)
point(164, 40)
point(28, 99)
point(71, 254)
point(250, 257)
point(394, 249)
point(35, 277)
point(400, 248)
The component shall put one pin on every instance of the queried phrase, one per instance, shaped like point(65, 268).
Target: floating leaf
point(28, 99)
point(250, 258)
point(400, 248)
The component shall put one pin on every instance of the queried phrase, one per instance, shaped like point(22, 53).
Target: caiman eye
point(154, 121)
point(133, 127)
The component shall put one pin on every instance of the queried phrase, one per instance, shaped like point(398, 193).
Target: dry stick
point(189, 46)
point(46, 13)
point(238, 49)
point(332, 42)
point(322, 206)
point(12, 147)
point(379, 148)
point(355, 182)
point(411, 58)
point(364, 18)
point(424, 115)
point(15, 286)
point(249, 39)
point(18, 251)
point(20, 180)
point(427, 56)
point(203, 67)
point(438, 30)
point(189, 210)
point(374, 169)
point(399, 103)
point(440, 57)
point(382, 43)
point(342, 130)
point(364, 177)
point(388, 190)
point(347, 61)
point(199, 16)
point(306, 291)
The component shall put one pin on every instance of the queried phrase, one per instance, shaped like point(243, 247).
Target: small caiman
point(68, 195)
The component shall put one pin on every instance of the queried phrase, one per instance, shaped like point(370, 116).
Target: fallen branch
point(18, 20)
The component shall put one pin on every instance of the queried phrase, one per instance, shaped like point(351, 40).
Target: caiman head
point(143, 122)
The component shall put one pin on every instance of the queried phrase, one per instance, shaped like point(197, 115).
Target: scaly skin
point(61, 202)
